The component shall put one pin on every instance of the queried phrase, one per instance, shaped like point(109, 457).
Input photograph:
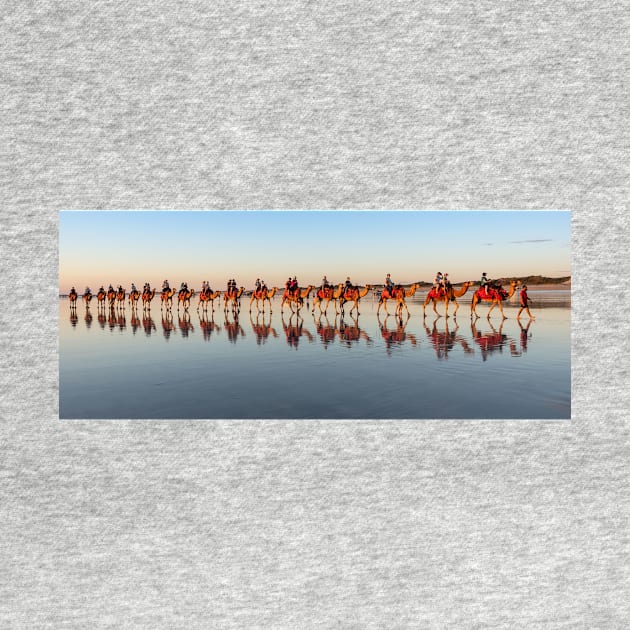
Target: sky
point(120, 247)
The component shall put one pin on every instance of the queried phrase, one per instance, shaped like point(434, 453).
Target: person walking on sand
point(524, 303)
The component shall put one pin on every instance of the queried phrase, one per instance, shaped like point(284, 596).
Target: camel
point(329, 294)
point(120, 297)
point(87, 298)
point(167, 298)
point(208, 296)
point(183, 298)
point(72, 296)
point(233, 297)
point(100, 297)
point(134, 296)
point(111, 297)
point(147, 296)
point(353, 294)
point(263, 294)
point(296, 298)
point(496, 296)
point(446, 296)
point(399, 294)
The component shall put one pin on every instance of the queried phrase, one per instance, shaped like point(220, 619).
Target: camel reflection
point(351, 334)
point(295, 329)
point(102, 320)
point(185, 325)
point(326, 332)
point(262, 330)
point(148, 324)
point(88, 318)
point(398, 337)
point(168, 327)
point(111, 319)
point(74, 317)
point(121, 319)
point(208, 326)
point(232, 327)
point(135, 321)
point(489, 342)
point(525, 336)
point(444, 341)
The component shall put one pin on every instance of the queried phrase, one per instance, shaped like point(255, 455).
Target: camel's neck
point(306, 292)
point(411, 291)
point(364, 292)
point(511, 291)
point(461, 291)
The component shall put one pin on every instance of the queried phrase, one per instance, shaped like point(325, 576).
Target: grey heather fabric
point(314, 524)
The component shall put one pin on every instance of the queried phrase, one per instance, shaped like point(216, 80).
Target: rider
point(348, 284)
point(133, 288)
point(110, 288)
point(437, 281)
point(293, 286)
point(258, 285)
point(165, 286)
point(389, 284)
point(325, 283)
point(446, 283)
point(485, 283)
point(73, 291)
point(263, 286)
point(87, 291)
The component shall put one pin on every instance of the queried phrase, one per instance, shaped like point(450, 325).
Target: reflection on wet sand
point(443, 335)
point(489, 342)
point(208, 326)
point(168, 327)
point(135, 321)
point(525, 335)
point(350, 334)
point(295, 329)
point(444, 341)
point(148, 324)
point(185, 325)
point(262, 329)
point(394, 337)
point(102, 320)
point(232, 327)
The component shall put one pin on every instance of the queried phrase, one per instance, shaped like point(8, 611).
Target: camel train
point(296, 297)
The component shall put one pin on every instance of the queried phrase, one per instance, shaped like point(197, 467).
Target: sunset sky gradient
point(119, 247)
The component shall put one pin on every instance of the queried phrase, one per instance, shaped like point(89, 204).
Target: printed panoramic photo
point(315, 315)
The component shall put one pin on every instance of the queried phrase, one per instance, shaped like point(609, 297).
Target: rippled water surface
point(126, 364)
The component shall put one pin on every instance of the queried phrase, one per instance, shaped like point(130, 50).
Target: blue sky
point(122, 247)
